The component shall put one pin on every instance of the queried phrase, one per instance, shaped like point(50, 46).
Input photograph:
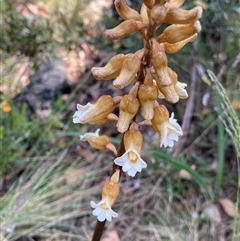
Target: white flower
point(82, 111)
point(131, 162)
point(103, 211)
point(170, 132)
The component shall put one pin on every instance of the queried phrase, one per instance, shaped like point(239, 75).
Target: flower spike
point(145, 76)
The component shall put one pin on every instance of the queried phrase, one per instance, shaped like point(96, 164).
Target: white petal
point(140, 161)
point(143, 163)
point(108, 216)
point(126, 166)
point(121, 160)
point(138, 166)
point(81, 111)
point(180, 89)
point(173, 136)
point(97, 211)
point(168, 142)
point(114, 214)
point(132, 172)
point(84, 108)
point(129, 167)
point(89, 134)
point(93, 204)
point(174, 123)
point(102, 216)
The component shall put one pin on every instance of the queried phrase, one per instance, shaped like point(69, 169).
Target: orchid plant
point(150, 78)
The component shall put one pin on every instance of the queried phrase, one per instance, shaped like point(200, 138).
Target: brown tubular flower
point(178, 32)
point(173, 48)
point(160, 63)
point(98, 142)
point(147, 95)
point(130, 68)
point(127, 110)
point(160, 14)
point(181, 16)
point(111, 70)
point(124, 29)
point(110, 190)
point(95, 114)
point(126, 12)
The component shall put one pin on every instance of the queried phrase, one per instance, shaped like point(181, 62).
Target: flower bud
point(127, 110)
point(115, 176)
point(159, 60)
point(147, 95)
point(158, 13)
point(110, 191)
point(110, 70)
point(130, 68)
point(181, 16)
point(178, 32)
point(126, 12)
point(173, 48)
point(123, 30)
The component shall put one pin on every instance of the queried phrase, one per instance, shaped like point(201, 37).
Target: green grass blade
point(180, 164)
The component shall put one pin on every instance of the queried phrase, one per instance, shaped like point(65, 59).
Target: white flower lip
point(171, 132)
point(180, 88)
point(78, 116)
point(89, 134)
point(101, 213)
point(128, 166)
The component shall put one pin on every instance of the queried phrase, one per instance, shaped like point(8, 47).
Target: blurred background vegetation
point(48, 178)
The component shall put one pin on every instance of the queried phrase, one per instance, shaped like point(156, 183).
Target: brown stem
point(98, 231)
